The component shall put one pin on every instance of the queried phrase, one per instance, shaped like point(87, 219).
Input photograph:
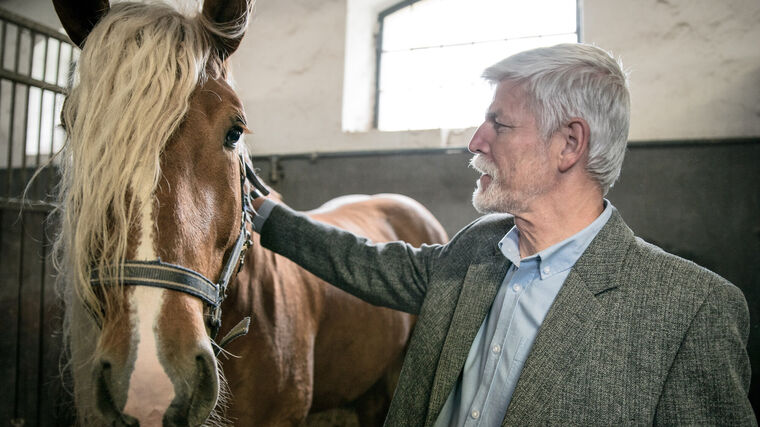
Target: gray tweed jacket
point(636, 336)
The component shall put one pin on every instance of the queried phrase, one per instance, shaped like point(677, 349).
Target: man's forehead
point(508, 96)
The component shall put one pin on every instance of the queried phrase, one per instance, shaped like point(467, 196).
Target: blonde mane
point(130, 94)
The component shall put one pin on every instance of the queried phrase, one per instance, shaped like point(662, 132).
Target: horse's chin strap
point(160, 274)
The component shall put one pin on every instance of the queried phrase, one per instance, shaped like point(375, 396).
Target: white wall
point(289, 74)
point(695, 64)
point(695, 70)
point(37, 10)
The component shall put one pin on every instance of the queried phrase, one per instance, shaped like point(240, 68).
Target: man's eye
point(233, 136)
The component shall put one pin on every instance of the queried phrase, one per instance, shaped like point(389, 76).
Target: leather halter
point(165, 275)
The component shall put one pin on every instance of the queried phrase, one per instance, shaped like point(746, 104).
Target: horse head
point(150, 173)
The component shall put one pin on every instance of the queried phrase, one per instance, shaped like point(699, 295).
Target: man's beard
point(495, 198)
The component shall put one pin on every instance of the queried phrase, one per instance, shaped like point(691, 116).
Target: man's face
point(509, 152)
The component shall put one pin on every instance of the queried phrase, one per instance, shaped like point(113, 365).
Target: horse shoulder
point(383, 217)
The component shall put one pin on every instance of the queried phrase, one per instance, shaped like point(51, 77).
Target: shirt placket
point(498, 352)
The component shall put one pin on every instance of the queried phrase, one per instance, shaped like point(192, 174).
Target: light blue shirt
point(504, 341)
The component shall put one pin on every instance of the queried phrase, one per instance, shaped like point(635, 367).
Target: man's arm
point(709, 379)
point(392, 274)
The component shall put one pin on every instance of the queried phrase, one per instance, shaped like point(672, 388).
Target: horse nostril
point(104, 397)
point(207, 387)
point(194, 404)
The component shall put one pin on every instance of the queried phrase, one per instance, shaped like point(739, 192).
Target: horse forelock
point(130, 93)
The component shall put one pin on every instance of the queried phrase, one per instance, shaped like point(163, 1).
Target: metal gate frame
point(30, 314)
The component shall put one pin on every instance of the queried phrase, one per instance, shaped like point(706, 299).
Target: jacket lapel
point(478, 292)
point(569, 322)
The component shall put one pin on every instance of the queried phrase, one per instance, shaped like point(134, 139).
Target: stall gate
point(34, 68)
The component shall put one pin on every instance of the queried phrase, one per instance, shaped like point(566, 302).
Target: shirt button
point(496, 348)
point(547, 270)
point(475, 414)
point(517, 287)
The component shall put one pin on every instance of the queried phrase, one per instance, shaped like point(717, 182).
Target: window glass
point(434, 51)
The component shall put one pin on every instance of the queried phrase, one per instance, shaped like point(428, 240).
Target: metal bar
point(26, 205)
point(396, 7)
point(462, 150)
point(16, 60)
point(20, 78)
point(42, 99)
point(369, 153)
point(2, 69)
point(40, 337)
point(58, 64)
point(470, 43)
point(25, 121)
point(578, 19)
point(24, 22)
point(10, 139)
point(378, 58)
point(2, 43)
point(17, 53)
point(20, 309)
point(31, 51)
point(682, 143)
point(45, 59)
point(53, 112)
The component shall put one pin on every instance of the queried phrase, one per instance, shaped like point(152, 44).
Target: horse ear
point(232, 18)
point(79, 17)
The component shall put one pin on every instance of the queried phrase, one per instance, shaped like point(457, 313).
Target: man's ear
point(575, 135)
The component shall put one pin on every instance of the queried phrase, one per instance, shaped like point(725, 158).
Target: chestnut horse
point(154, 179)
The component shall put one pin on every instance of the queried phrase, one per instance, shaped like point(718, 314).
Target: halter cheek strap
point(160, 274)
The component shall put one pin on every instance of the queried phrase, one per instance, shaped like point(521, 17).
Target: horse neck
point(270, 286)
point(256, 279)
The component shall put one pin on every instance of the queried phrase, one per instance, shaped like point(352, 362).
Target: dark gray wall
point(697, 199)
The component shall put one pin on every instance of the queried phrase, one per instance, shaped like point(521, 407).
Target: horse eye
point(233, 136)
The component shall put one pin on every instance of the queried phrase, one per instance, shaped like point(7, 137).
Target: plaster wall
point(694, 66)
point(37, 10)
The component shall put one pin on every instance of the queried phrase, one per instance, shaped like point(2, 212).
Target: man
point(548, 310)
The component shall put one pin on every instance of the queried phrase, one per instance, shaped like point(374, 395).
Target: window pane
point(435, 50)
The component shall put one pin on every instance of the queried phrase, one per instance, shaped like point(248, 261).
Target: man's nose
point(478, 143)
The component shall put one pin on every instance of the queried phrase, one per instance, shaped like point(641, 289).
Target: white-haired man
point(548, 310)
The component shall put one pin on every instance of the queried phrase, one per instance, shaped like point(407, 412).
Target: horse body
point(153, 170)
point(318, 346)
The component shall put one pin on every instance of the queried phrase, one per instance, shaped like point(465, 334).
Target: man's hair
point(575, 80)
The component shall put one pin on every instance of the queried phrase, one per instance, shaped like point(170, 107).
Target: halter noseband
point(161, 274)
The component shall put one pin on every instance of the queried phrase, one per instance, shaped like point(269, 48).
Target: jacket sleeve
point(392, 274)
point(709, 379)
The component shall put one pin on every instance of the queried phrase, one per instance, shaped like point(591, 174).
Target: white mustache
point(483, 165)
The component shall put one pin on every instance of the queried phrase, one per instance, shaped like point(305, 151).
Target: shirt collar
point(558, 257)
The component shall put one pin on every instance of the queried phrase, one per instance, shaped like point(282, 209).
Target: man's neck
point(554, 218)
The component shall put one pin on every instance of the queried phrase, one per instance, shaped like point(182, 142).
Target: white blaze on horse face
point(150, 389)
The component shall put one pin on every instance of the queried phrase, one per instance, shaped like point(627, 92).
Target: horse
point(154, 209)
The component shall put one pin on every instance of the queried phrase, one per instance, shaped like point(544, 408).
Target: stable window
point(431, 53)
